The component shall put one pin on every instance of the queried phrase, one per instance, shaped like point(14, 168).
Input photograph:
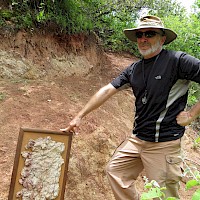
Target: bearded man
point(159, 82)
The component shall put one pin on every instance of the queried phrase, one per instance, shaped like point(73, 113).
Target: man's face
point(150, 41)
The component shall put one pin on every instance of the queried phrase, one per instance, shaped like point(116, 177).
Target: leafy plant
point(108, 19)
point(196, 142)
point(194, 182)
point(194, 94)
point(154, 191)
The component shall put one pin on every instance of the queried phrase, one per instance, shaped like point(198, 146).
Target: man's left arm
point(184, 118)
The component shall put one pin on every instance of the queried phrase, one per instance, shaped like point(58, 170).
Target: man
point(160, 84)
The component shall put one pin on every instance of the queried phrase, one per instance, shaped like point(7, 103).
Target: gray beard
point(153, 49)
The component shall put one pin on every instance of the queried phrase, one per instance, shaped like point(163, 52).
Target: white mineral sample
point(42, 167)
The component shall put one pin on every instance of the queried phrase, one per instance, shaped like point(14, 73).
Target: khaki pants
point(161, 161)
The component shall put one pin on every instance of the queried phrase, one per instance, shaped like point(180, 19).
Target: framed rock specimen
point(41, 165)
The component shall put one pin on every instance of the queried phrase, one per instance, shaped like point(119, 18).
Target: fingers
point(65, 129)
point(184, 118)
point(70, 129)
point(73, 125)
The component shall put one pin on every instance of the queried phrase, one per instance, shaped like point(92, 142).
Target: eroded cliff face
point(45, 80)
point(35, 55)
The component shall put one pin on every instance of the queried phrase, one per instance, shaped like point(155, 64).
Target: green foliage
point(196, 143)
point(68, 15)
point(19, 15)
point(107, 18)
point(194, 94)
point(194, 181)
point(6, 14)
point(154, 191)
point(188, 40)
point(188, 33)
point(78, 16)
point(165, 8)
point(196, 195)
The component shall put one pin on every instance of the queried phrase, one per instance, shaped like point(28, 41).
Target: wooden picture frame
point(25, 135)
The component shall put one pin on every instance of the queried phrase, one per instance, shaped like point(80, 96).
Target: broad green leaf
point(152, 193)
point(196, 195)
point(191, 183)
point(148, 185)
point(197, 140)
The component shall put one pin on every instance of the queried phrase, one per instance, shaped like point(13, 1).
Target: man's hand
point(73, 125)
point(184, 118)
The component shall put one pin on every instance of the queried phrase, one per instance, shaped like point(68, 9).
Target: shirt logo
point(158, 77)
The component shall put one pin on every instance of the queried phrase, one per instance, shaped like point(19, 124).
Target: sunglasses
point(147, 34)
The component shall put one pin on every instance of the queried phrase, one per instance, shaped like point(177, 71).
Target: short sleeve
point(123, 80)
point(189, 68)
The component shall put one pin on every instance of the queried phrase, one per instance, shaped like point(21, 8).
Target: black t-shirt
point(160, 85)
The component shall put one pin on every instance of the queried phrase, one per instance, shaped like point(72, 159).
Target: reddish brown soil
point(45, 80)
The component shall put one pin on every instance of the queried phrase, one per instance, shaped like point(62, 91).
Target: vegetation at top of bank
point(107, 18)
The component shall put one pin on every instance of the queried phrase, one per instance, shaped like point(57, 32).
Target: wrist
point(191, 116)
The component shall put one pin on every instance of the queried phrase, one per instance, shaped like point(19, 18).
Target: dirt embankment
point(45, 80)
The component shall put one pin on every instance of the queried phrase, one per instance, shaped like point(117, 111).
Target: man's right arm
point(96, 101)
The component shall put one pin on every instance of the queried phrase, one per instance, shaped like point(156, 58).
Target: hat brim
point(170, 35)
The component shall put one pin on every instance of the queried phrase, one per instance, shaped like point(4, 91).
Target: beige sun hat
point(150, 22)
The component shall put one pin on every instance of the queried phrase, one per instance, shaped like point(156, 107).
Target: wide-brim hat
point(150, 22)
